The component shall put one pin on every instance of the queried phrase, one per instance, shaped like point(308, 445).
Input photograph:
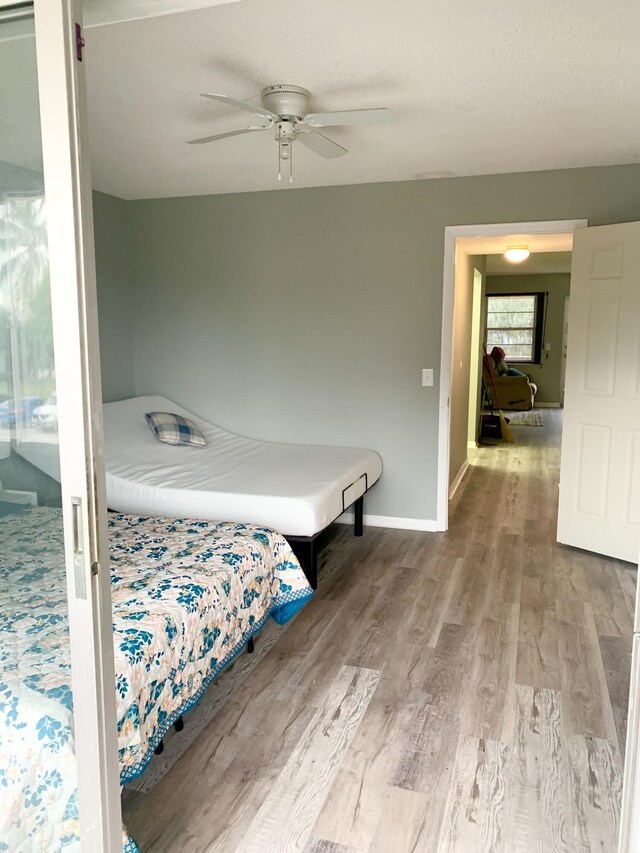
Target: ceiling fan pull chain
point(291, 162)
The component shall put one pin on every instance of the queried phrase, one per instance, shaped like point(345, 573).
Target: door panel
point(593, 462)
point(56, 553)
point(38, 799)
point(601, 340)
point(633, 483)
point(606, 262)
point(61, 68)
point(599, 507)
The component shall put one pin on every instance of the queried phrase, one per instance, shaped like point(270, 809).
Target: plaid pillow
point(174, 429)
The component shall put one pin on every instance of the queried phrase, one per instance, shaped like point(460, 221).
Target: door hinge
point(79, 43)
point(95, 568)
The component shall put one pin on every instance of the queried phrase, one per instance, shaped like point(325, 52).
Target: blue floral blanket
point(187, 595)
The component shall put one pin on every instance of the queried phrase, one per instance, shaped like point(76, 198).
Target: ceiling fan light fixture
point(516, 254)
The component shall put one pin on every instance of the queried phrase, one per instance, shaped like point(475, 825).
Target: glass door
point(59, 785)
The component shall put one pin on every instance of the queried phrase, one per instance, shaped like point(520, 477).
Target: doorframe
point(68, 198)
point(68, 193)
point(451, 235)
point(563, 354)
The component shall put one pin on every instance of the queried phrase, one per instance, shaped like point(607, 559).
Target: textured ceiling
point(478, 88)
point(553, 242)
point(98, 12)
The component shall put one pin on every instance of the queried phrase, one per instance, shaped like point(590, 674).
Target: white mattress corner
point(296, 489)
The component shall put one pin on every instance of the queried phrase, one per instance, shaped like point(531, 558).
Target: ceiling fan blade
point(241, 105)
point(322, 145)
point(217, 136)
point(350, 117)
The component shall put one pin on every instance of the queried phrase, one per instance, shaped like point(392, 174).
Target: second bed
point(297, 489)
point(187, 597)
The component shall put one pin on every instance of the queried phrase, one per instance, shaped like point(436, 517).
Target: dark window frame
point(538, 325)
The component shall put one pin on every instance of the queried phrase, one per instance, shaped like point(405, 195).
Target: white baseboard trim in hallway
point(428, 525)
point(458, 478)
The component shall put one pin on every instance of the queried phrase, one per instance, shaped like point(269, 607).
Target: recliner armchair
point(514, 393)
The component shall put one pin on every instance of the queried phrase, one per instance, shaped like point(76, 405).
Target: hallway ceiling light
point(516, 254)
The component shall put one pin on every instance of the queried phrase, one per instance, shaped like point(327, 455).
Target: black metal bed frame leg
point(306, 547)
point(358, 516)
point(250, 646)
point(160, 748)
point(310, 565)
point(306, 551)
point(179, 724)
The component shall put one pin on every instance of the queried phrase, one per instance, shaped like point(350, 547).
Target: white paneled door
point(599, 506)
point(49, 350)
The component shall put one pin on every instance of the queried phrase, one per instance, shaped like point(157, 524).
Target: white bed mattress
point(296, 489)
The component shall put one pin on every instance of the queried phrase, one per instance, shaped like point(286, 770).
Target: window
point(515, 323)
point(26, 332)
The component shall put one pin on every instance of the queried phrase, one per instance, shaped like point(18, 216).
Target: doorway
point(590, 567)
point(461, 244)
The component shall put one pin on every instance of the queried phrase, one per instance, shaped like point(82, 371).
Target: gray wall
point(547, 374)
point(110, 216)
point(459, 397)
point(478, 316)
point(306, 315)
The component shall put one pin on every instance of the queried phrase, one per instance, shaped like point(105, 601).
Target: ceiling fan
point(286, 108)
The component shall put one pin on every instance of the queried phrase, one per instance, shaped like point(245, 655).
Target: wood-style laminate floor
point(443, 692)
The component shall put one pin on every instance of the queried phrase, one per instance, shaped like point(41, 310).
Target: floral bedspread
point(187, 595)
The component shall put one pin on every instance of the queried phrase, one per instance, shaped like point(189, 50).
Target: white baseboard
point(427, 524)
point(458, 479)
point(537, 405)
point(472, 445)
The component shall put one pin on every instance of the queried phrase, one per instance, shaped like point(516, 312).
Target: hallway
point(444, 692)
